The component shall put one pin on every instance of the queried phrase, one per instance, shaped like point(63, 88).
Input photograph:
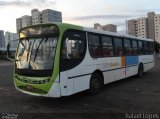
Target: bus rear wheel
point(96, 84)
point(140, 71)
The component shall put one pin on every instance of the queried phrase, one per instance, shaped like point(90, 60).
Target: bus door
point(72, 53)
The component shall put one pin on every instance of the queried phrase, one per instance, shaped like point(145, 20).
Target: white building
point(26, 20)
point(49, 15)
point(9, 37)
point(18, 24)
point(2, 40)
point(36, 16)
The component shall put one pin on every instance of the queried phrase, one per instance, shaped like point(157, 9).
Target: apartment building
point(38, 17)
point(49, 15)
point(151, 28)
point(148, 27)
point(157, 27)
point(107, 27)
point(18, 24)
point(26, 20)
point(141, 28)
point(9, 37)
point(131, 29)
point(137, 27)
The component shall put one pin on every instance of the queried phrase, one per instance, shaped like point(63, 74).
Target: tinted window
point(150, 48)
point(73, 46)
point(107, 46)
point(73, 49)
point(127, 47)
point(140, 45)
point(93, 39)
point(118, 46)
point(135, 47)
point(95, 48)
point(145, 48)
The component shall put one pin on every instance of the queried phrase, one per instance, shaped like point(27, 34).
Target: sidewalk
point(6, 62)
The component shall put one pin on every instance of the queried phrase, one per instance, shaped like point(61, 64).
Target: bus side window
point(73, 49)
point(95, 48)
point(135, 47)
point(118, 46)
point(127, 47)
point(107, 46)
point(140, 46)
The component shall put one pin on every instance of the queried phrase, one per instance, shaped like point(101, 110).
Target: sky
point(79, 12)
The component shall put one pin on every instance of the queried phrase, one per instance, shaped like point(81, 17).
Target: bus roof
point(114, 34)
point(70, 26)
point(104, 32)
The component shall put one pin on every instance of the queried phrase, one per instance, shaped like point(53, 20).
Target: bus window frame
point(64, 36)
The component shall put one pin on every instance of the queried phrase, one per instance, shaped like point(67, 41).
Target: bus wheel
point(96, 84)
point(140, 71)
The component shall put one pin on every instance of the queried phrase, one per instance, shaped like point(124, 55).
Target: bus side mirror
point(11, 49)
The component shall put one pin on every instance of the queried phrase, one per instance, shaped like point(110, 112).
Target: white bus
point(59, 59)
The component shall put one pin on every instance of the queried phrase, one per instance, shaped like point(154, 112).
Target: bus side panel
point(131, 65)
point(66, 88)
point(130, 71)
point(81, 74)
point(81, 83)
point(111, 68)
point(147, 60)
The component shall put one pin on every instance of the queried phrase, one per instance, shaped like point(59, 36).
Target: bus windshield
point(36, 53)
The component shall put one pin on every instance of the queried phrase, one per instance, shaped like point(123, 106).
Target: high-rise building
point(141, 28)
point(49, 15)
point(107, 27)
point(151, 29)
point(137, 27)
point(18, 24)
point(38, 17)
point(157, 27)
point(148, 27)
point(9, 37)
point(131, 29)
point(26, 20)
point(2, 40)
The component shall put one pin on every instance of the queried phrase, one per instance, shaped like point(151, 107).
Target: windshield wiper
point(38, 48)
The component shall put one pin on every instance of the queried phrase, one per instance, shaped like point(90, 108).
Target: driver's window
point(73, 46)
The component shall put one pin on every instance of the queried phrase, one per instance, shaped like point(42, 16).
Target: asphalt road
point(131, 95)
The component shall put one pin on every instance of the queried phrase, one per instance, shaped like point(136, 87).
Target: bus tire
point(140, 71)
point(96, 84)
